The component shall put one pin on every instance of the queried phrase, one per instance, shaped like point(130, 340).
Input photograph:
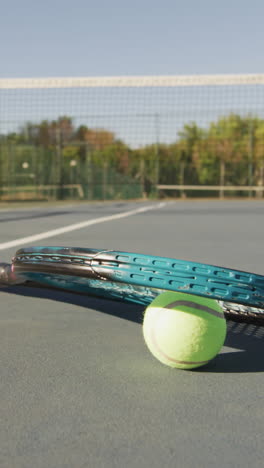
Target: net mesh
point(136, 131)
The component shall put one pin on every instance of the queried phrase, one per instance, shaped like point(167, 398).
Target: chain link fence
point(30, 172)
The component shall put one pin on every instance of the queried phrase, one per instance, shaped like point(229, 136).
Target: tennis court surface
point(79, 387)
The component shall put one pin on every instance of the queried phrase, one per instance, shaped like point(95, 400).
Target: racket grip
point(8, 276)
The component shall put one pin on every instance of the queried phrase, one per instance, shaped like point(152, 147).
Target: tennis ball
point(184, 331)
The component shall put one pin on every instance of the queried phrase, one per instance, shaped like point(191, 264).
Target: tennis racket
point(136, 278)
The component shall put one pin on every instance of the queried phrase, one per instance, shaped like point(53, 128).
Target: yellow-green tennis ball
point(184, 331)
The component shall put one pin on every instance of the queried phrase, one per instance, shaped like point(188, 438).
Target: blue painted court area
point(79, 387)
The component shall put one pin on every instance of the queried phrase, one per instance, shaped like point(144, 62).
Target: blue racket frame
point(134, 277)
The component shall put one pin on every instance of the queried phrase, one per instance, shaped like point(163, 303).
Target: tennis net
point(110, 133)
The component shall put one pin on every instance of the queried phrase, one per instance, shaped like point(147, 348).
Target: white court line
point(74, 227)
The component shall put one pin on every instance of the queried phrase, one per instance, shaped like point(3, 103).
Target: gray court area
point(78, 386)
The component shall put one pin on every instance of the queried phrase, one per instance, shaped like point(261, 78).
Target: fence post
point(182, 176)
point(104, 187)
point(59, 163)
point(157, 161)
point(222, 178)
point(142, 177)
point(88, 171)
point(250, 156)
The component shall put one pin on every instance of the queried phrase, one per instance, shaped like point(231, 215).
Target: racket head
point(128, 277)
point(139, 270)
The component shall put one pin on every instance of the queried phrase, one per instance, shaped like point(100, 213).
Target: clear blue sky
point(135, 37)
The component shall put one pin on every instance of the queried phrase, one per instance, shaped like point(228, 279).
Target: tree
point(49, 133)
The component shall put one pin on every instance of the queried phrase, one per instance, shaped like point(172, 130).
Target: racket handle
point(8, 276)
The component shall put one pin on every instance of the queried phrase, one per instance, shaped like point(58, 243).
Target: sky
point(59, 38)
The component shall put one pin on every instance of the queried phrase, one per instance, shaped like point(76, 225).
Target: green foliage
point(230, 151)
